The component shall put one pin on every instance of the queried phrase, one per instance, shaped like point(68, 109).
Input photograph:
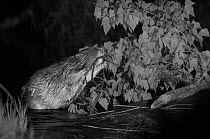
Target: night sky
point(30, 38)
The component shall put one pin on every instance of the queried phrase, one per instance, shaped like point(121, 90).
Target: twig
point(114, 129)
point(101, 113)
point(124, 106)
point(124, 111)
point(130, 106)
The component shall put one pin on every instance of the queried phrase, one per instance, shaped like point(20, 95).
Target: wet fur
point(55, 86)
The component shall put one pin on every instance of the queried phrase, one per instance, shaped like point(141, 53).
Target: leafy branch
point(165, 53)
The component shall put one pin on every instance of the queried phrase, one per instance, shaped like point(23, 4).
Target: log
point(180, 93)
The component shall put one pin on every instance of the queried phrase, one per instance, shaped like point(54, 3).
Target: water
point(190, 118)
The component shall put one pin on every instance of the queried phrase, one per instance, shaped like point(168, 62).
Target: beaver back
point(55, 86)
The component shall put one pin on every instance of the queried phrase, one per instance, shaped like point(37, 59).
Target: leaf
point(120, 15)
point(128, 1)
point(93, 95)
point(118, 52)
point(204, 32)
point(151, 54)
point(147, 59)
point(135, 97)
point(137, 14)
point(207, 53)
point(139, 89)
point(187, 47)
point(112, 18)
point(160, 44)
point(120, 88)
point(132, 25)
point(136, 19)
point(119, 79)
point(190, 11)
point(105, 12)
point(108, 46)
point(72, 108)
point(106, 25)
point(184, 15)
point(155, 85)
point(174, 44)
point(188, 7)
point(125, 86)
point(160, 8)
point(158, 56)
point(115, 102)
point(151, 81)
point(172, 85)
point(153, 7)
point(172, 8)
point(97, 13)
point(128, 96)
point(147, 5)
point(115, 94)
point(113, 68)
point(189, 3)
point(118, 56)
point(120, 45)
point(104, 103)
point(145, 28)
point(198, 75)
point(100, 4)
point(111, 91)
point(194, 63)
point(137, 70)
point(146, 21)
point(106, 3)
point(143, 37)
point(113, 22)
point(146, 96)
point(93, 88)
point(166, 39)
point(144, 84)
point(205, 74)
point(114, 85)
point(200, 38)
point(81, 111)
point(152, 22)
point(177, 60)
point(196, 25)
point(91, 107)
point(111, 13)
point(143, 4)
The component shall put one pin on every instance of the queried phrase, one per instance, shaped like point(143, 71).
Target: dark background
point(34, 34)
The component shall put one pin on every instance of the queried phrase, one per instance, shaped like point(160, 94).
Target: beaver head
point(55, 86)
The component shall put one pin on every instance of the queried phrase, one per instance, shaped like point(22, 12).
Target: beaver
point(57, 85)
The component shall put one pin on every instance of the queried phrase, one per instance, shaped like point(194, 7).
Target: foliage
point(164, 52)
point(13, 119)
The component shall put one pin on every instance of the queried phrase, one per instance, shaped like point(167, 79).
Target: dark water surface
point(190, 118)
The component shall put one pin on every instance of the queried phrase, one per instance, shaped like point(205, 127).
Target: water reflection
point(55, 123)
point(187, 119)
point(61, 124)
